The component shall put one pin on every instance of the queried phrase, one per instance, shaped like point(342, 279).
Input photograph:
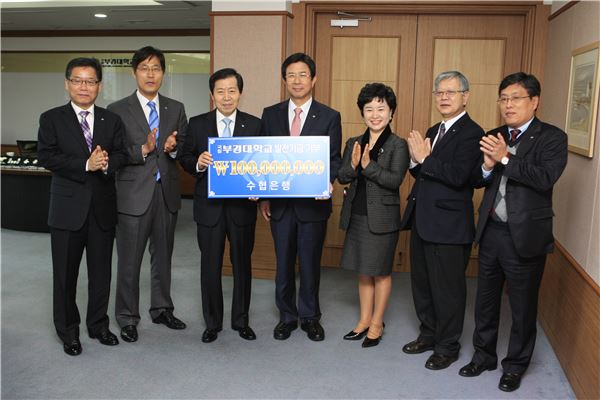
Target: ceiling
point(121, 15)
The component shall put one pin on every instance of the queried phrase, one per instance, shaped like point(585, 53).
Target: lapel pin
point(381, 151)
point(243, 126)
point(314, 116)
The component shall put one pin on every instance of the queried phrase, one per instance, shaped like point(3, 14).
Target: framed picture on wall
point(582, 108)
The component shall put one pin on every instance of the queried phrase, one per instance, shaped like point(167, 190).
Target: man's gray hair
point(464, 83)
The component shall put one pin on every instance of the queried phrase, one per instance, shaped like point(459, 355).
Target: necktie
point(227, 130)
point(442, 132)
point(295, 131)
point(514, 133)
point(85, 127)
point(153, 123)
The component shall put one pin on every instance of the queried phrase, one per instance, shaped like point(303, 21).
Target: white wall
point(24, 96)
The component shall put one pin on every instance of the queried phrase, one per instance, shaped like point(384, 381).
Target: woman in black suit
point(374, 164)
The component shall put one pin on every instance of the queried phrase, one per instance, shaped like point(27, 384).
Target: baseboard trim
point(569, 313)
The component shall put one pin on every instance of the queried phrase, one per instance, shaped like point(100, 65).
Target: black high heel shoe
point(368, 342)
point(355, 335)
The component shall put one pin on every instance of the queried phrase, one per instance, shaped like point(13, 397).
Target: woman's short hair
point(376, 91)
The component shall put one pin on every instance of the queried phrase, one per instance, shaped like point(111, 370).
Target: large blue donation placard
point(273, 166)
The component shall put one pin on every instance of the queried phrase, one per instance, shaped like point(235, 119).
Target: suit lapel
point(312, 118)
point(75, 128)
point(452, 133)
point(213, 130)
point(283, 118)
point(99, 126)
point(528, 137)
point(240, 125)
point(163, 121)
point(137, 113)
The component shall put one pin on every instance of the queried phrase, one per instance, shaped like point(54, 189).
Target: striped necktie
point(85, 127)
point(153, 123)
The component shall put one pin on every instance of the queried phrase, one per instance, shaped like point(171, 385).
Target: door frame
point(535, 32)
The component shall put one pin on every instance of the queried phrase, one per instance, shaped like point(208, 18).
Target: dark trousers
point(157, 226)
point(499, 262)
point(67, 250)
point(293, 237)
point(439, 291)
point(211, 240)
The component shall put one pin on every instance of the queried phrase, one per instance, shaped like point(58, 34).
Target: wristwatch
point(504, 160)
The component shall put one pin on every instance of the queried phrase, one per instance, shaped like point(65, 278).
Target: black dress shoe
point(105, 337)
point(283, 330)
point(314, 330)
point(417, 346)
point(473, 369)
point(72, 348)
point(509, 382)
point(129, 333)
point(355, 335)
point(209, 335)
point(167, 318)
point(439, 361)
point(246, 333)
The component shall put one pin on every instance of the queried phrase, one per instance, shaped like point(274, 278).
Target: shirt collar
point(78, 109)
point(144, 101)
point(305, 107)
point(451, 121)
point(522, 128)
point(221, 117)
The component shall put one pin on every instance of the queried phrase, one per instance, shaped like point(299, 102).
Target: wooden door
point(406, 52)
point(379, 51)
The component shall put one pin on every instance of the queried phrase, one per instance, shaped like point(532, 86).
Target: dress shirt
point(221, 124)
point(144, 103)
point(303, 115)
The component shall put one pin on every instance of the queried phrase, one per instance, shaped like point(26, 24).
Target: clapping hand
point(171, 142)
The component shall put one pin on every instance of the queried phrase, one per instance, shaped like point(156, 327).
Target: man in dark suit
point(440, 214)
point(82, 145)
point(521, 162)
point(220, 218)
point(148, 194)
point(298, 225)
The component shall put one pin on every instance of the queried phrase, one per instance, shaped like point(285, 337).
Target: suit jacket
point(208, 211)
point(63, 150)
point(440, 202)
point(320, 121)
point(384, 178)
point(532, 172)
point(136, 181)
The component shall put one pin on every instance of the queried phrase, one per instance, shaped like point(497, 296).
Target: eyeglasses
point(293, 75)
point(513, 99)
point(79, 82)
point(146, 69)
point(449, 93)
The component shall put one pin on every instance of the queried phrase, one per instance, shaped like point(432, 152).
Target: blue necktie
point(226, 131)
point(153, 122)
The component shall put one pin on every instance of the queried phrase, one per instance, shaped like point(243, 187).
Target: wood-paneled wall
point(569, 312)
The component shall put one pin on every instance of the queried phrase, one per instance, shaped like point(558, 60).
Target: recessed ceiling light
point(100, 15)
